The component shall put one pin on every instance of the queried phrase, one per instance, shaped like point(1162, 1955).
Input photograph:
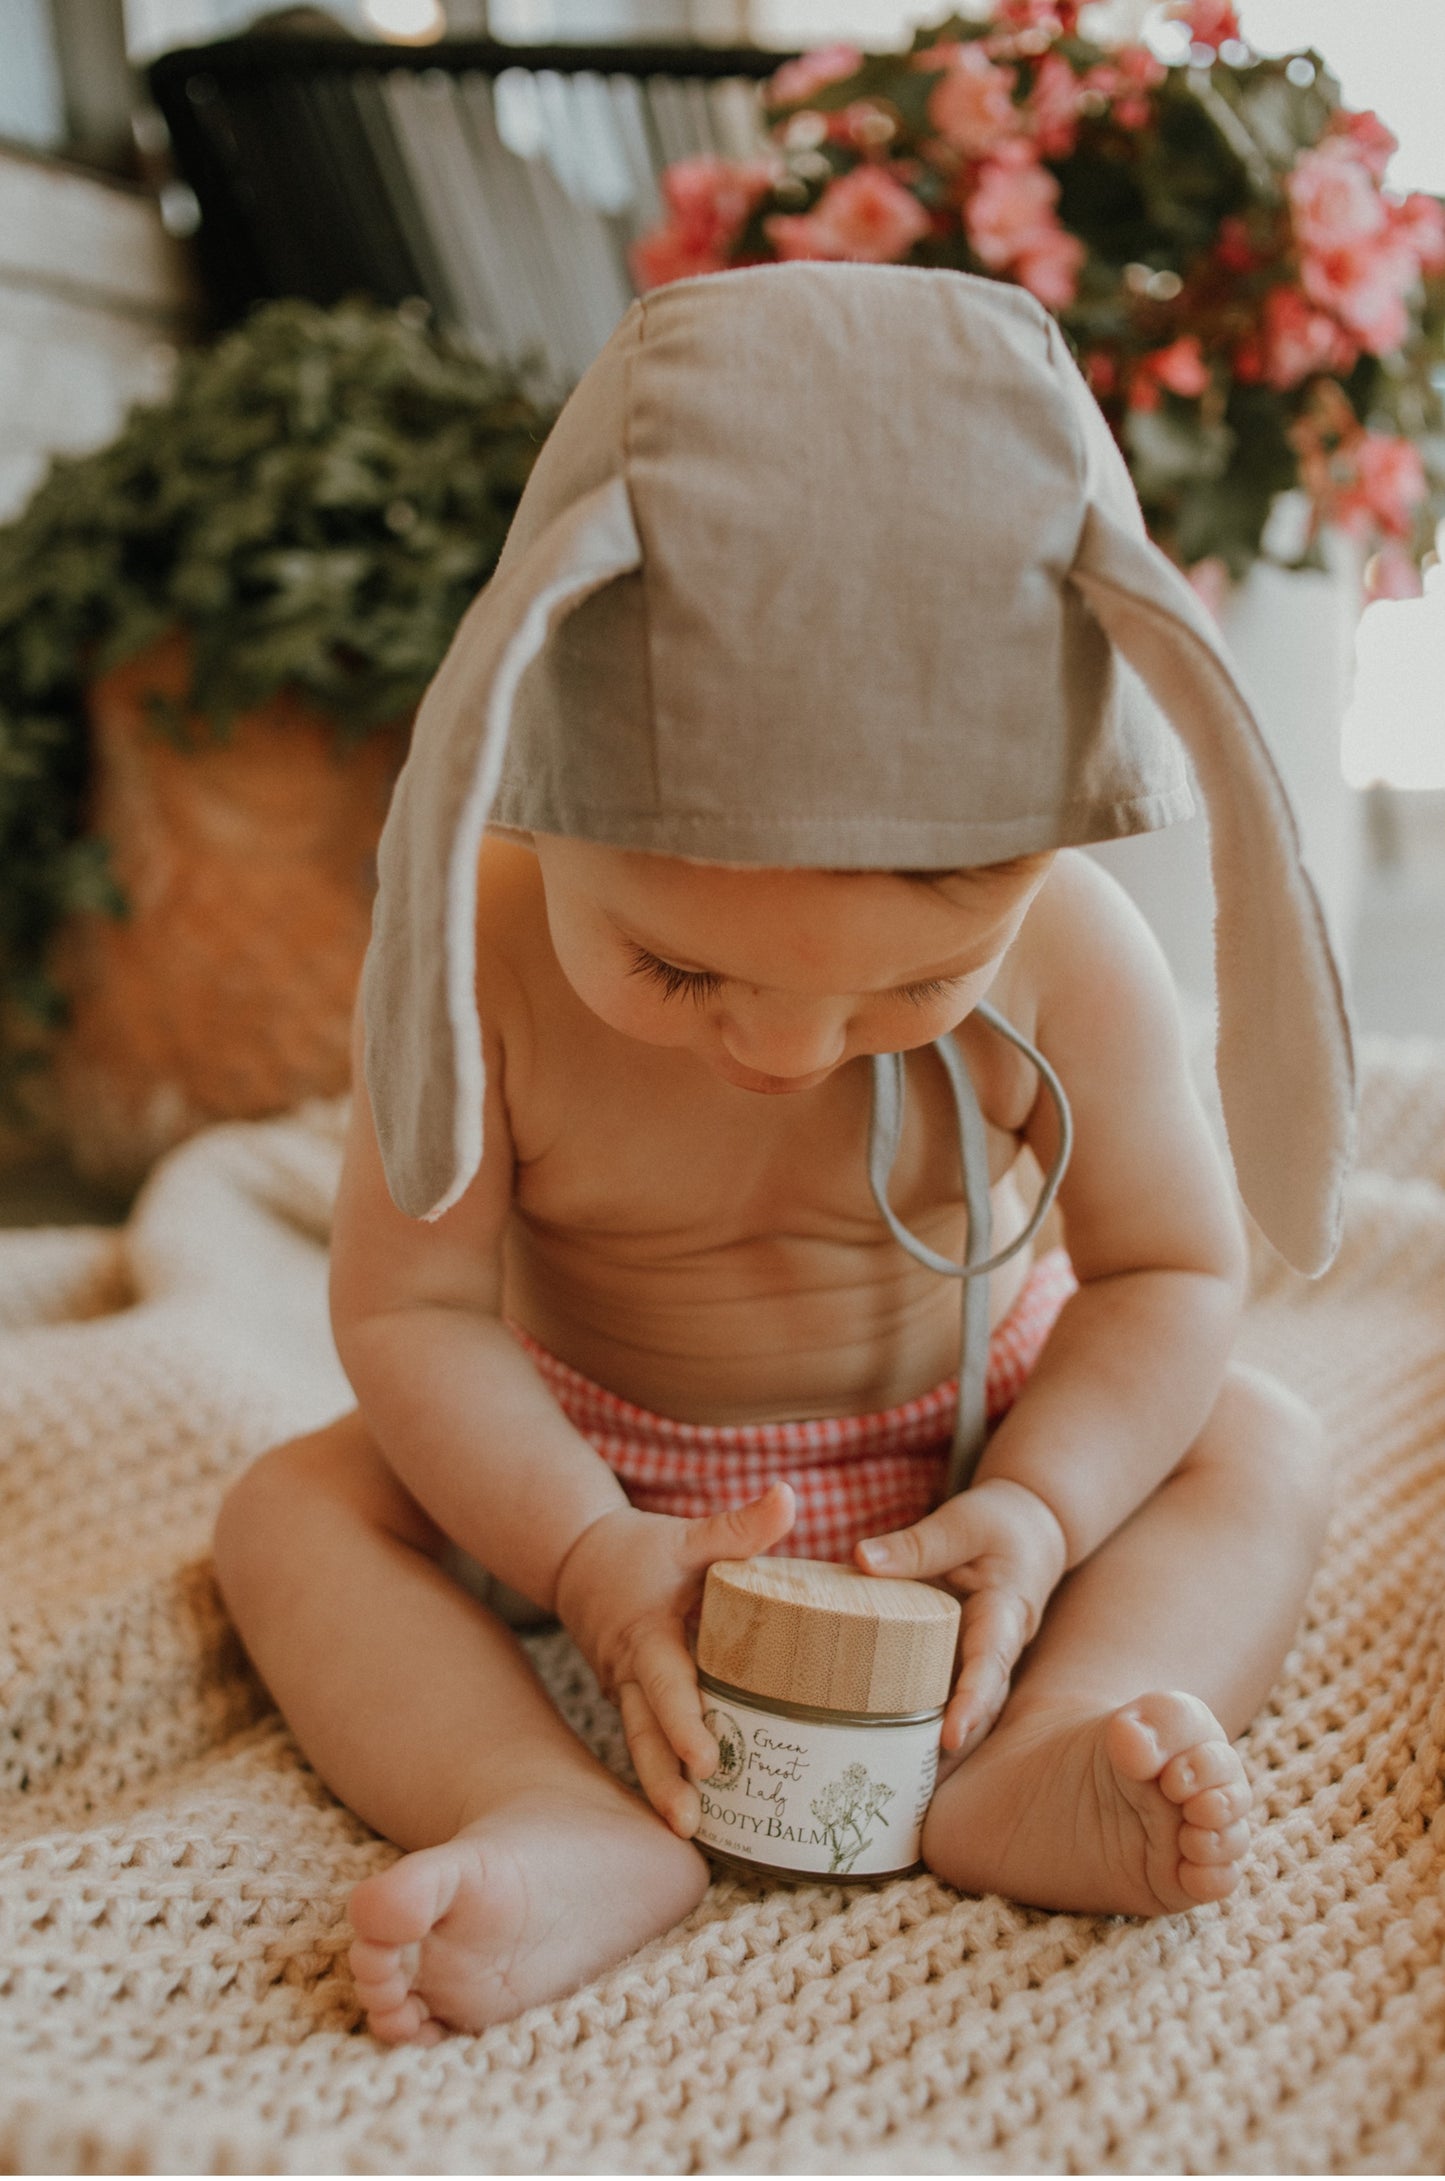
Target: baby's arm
point(473, 1434)
point(1133, 1367)
point(449, 1397)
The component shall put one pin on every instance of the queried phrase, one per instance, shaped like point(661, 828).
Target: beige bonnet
point(839, 565)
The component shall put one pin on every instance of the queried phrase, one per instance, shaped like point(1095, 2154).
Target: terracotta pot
point(249, 866)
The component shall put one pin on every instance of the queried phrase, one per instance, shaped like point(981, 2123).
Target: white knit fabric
point(173, 1991)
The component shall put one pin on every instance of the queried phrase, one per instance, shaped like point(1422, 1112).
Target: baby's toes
point(1198, 1844)
point(1203, 1765)
point(1218, 1806)
point(1205, 1882)
point(382, 1974)
point(412, 2023)
point(1211, 1859)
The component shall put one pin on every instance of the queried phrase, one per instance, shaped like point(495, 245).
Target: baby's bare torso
point(710, 1253)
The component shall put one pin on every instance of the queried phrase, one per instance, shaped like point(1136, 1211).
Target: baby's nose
point(791, 1039)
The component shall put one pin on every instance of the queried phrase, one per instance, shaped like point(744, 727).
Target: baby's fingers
point(737, 1533)
point(662, 1668)
point(934, 1545)
point(994, 1633)
point(654, 1760)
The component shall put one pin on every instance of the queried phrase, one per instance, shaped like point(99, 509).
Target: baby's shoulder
point(1082, 925)
point(1084, 964)
point(1092, 977)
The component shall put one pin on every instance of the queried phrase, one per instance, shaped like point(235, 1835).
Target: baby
point(814, 656)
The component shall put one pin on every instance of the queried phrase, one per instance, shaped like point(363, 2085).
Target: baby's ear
point(423, 1045)
point(1283, 1049)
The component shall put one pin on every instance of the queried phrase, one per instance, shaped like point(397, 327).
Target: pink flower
point(1363, 289)
point(1180, 366)
point(1333, 199)
point(1357, 256)
point(798, 81)
point(1053, 104)
point(865, 214)
point(1387, 485)
point(1059, 17)
point(1419, 225)
point(1049, 267)
point(1012, 226)
point(668, 253)
point(1367, 138)
point(1393, 573)
point(716, 195)
point(1210, 22)
point(1233, 248)
point(709, 202)
point(1126, 80)
point(972, 108)
point(1296, 341)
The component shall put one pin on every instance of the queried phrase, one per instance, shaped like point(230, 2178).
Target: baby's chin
point(769, 1086)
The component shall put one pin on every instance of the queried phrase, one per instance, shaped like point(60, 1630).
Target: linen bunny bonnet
point(839, 566)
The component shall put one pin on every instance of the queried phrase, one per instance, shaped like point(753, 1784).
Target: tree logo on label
point(732, 1748)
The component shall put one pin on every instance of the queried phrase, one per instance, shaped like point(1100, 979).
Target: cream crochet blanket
point(173, 1992)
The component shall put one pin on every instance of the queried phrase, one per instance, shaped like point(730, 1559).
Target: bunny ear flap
point(1283, 1057)
point(423, 1036)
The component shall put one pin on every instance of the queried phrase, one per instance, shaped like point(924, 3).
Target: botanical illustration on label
point(844, 1809)
point(812, 1796)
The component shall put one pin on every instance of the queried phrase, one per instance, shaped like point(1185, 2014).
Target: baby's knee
point(1279, 1442)
point(257, 1515)
point(270, 1513)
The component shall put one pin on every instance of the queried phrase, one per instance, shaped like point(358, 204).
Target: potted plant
point(213, 633)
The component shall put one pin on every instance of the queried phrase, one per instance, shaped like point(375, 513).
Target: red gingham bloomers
point(854, 1476)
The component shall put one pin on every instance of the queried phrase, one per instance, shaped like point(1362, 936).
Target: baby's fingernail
point(874, 1553)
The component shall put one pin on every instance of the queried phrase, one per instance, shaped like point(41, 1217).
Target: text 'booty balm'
point(824, 1688)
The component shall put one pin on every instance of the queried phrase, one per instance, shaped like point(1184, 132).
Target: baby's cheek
point(901, 1025)
point(625, 1004)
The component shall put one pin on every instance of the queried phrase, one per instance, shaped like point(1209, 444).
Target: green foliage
point(315, 503)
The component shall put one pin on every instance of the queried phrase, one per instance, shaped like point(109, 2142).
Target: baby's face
point(776, 978)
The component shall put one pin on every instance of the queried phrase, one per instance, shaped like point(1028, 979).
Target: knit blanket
point(173, 1878)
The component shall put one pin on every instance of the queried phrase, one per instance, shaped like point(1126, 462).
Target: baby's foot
point(521, 1906)
point(1139, 1812)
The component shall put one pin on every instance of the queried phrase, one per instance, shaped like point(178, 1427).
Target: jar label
point(810, 1796)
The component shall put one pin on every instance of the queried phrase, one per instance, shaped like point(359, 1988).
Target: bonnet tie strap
point(884, 1134)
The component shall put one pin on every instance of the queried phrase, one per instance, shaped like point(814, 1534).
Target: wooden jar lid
point(828, 1636)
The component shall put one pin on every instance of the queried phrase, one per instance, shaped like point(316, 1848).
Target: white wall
point(93, 298)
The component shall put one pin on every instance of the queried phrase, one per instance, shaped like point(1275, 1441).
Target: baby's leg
point(532, 1868)
point(1108, 1784)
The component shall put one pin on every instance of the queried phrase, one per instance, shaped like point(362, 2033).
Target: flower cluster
point(1253, 309)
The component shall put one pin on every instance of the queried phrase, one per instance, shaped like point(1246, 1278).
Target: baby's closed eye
point(693, 984)
point(701, 984)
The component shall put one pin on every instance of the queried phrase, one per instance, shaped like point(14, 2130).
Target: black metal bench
point(501, 184)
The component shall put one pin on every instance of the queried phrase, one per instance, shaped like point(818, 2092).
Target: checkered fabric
point(854, 1476)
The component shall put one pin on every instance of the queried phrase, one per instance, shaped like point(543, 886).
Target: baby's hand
point(625, 1593)
point(1003, 1547)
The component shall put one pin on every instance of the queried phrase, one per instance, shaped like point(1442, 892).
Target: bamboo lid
point(813, 1632)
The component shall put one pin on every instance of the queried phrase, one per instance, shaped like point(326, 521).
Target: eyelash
point(693, 984)
point(700, 984)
